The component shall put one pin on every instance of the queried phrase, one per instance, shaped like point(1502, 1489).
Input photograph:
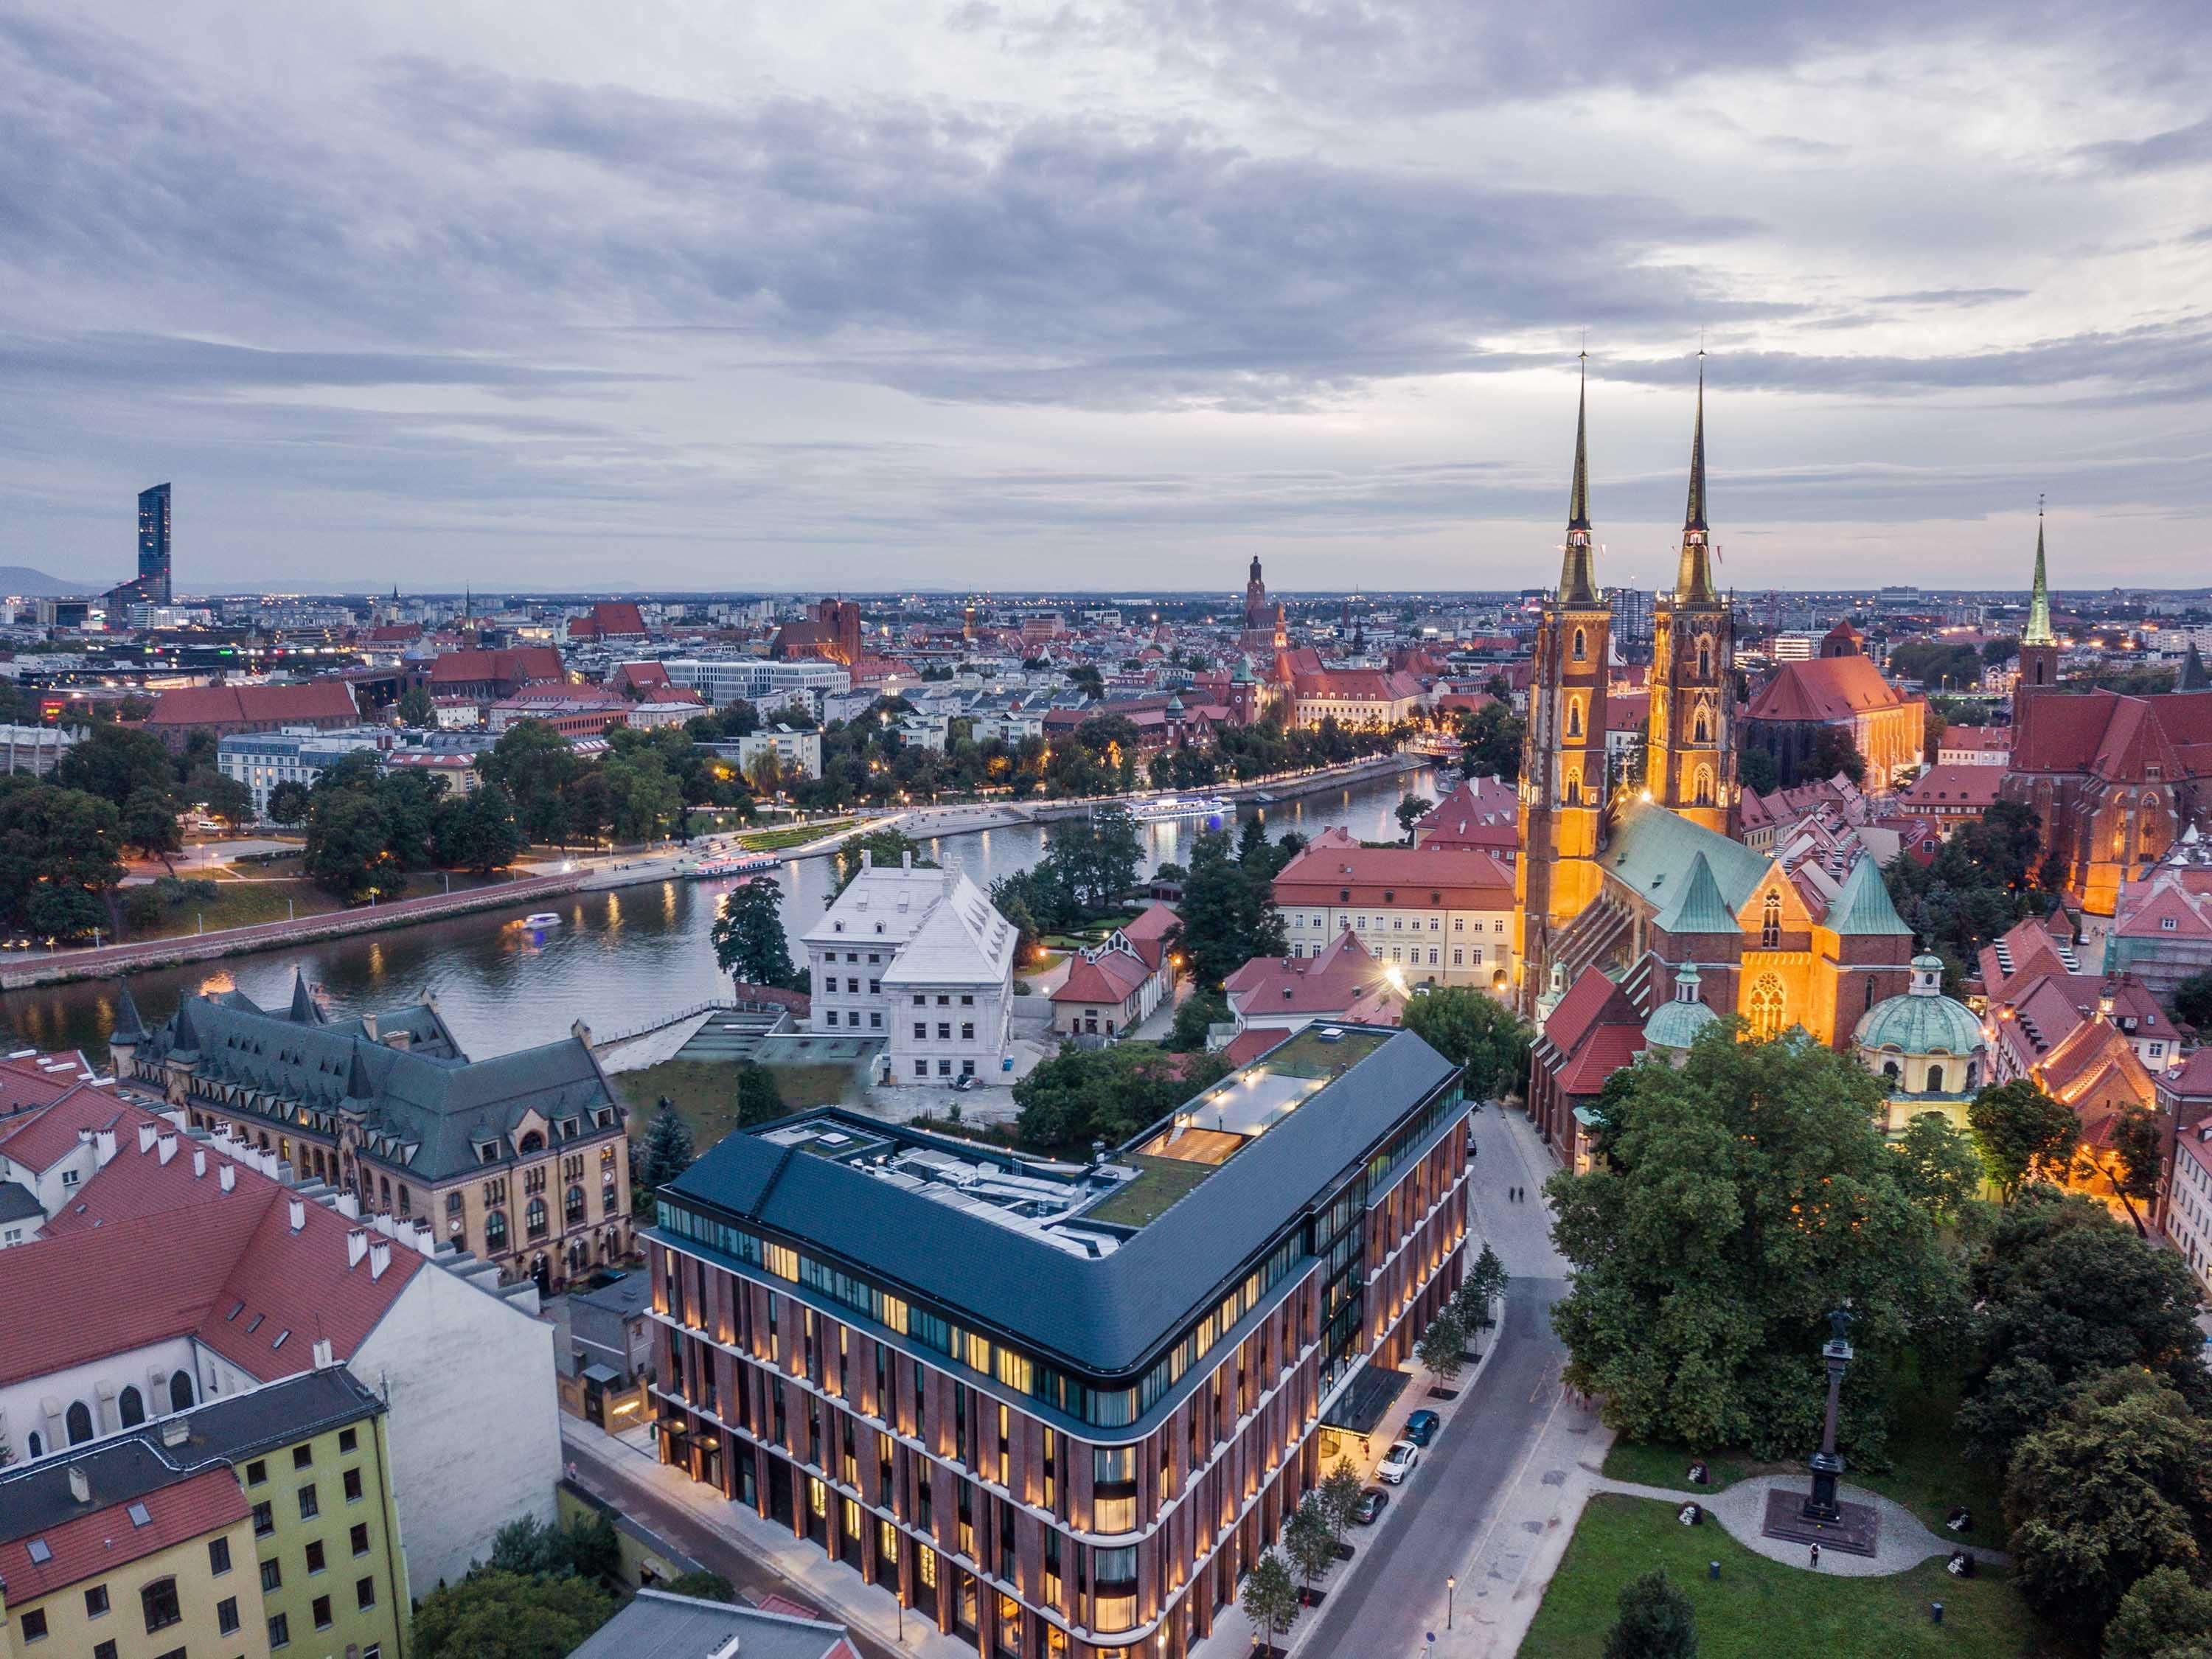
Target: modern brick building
point(1061, 1409)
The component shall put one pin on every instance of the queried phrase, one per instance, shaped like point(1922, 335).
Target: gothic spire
point(2038, 631)
point(1577, 571)
point(1693, 582)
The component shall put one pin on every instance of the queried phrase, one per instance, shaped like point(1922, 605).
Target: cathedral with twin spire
point(1639, 914)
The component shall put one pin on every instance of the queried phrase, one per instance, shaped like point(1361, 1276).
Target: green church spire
point(2038, 631)
point(1577, 572)
point(1694, 581)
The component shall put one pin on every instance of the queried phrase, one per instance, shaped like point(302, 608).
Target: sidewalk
point(836, 1589)
point(1741, 1510)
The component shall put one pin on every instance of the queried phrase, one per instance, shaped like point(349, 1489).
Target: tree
point(702, 1585)
point(667, 1151)
point(1937, 664)
point(886, 848)
point(417, 709)
point(1657, 1621)
point(1442, 1346)
point(748, 938)
point(1942, 1169)
point(536, 767)
point(2063, 1291)
point(759, 1101)
point(1196, 1012)
point(2116, 1487)
point(1411, 811)
point(61, 858)
point(1984, 878)
point(1490, 740)
point(1743, 1196)
point(1340, 1493)
point(149, 824)
point(509, 1615)
point(1228, 913)
point(1484, 1283)
point(1755, 770)
point(2164, 1615)
point(2192, 1000)
point(1271, 1598)
point(2022, 1133)
point(115, 762)
point(1833, 752)
point(289, 803)
point(1310, 1539)
point(1475, 1031)
point(2138, 1148)
point(1082, 1095)
point(348, 851)
point(1086, 679)
point(582, 1546)
point(477, 831)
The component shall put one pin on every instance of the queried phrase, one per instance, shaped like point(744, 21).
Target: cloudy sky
point(1104, 293)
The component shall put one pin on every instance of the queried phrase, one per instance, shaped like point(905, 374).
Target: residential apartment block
point(1058, 1410)
point(262, 760)
point(919, 958)
point(768, 685)
point(1434, 913)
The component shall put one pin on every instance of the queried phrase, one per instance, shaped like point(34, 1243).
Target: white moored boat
point(542, 919)
point(1165, 808)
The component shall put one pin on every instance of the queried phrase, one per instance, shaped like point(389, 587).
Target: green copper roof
point(2038, 631)
point(1917, 1023)
point(1578, 497)
point(1694, 581)
point(1578, 570)
point(1652, 850)
point(1675, 1024)
point(1698, 907)
point(1862, 907)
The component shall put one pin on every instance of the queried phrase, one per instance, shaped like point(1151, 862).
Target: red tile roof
point(1825, 689)
point(255, 705)
point(1345, 982)
point(1111, 978)
point(39, 1139)
point(1248, 1045)
point(1950, 789)
point(1464, 878)
point(524, 666)
point(104, 1539)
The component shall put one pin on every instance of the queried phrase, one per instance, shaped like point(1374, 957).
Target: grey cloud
point(1951, 296)
point(152, 363)
point(2181, 146)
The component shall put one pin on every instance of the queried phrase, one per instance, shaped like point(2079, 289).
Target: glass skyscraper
point(153, 584)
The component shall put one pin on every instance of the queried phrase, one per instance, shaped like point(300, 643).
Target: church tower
point(1563, 751)
point(1256, 599)
point(2038, 645)
point(1690, 757)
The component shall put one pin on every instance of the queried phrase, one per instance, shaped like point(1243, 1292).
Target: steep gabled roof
point(1652, 848)
point(1826, 689)
point(1863, 907)
point(1698, 907)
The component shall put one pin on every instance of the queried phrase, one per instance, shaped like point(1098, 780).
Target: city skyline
point(998, 295)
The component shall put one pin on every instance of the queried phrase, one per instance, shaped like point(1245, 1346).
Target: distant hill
point(25, 582)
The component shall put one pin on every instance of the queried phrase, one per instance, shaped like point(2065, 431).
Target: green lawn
point(797, 835)
point(705, 1092)
point(1164, 1181)
point(1650, 1464)
point(1761, 1607)
point(271, 894)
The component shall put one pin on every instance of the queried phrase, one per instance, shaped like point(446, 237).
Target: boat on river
point(540, 918)
point(1165, 809)
point(732, 864)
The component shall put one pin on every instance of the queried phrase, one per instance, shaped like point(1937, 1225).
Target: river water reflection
point(618, 960)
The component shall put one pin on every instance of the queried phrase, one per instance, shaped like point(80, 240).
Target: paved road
point(687, 1533)
point(1387, 1609)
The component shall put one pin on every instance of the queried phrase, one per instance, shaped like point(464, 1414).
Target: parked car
point(1372, 1502)
point(965, 1082)
point(1421, 1427)
point(1400, 1461)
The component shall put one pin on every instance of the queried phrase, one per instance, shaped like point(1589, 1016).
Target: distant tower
point(1256, 600)
point(1563, 753)
point(154, 544)
point(2038, 645)
point(1690, 759)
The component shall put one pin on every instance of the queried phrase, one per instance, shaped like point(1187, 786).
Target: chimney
point(867, 859)
point(199, 1164)
point(380, 1258)
point(425, 1240)
point(228, 1176)
point(356, 1247)
point(80, 1485)
point(167, 1145)
point(146, 1133)
point(325, 1355)
point(297, 1209)
point(176, 1430)
point(350, 1206)
point(103, 1148)
point(906, 860)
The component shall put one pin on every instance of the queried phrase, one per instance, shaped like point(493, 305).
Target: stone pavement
point(831, 1585)
point(1741, 1510)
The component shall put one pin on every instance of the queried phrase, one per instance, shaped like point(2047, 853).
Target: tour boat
point(542, 919)
point(734, 864)
point(1167, 808)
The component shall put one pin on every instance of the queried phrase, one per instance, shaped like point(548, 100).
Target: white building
point(798, 753)
point(767, 685)
point(262, 760)
point(35, 749)
point(920, 958)
point(2188, 1206)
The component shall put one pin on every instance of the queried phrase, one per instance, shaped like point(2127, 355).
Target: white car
point(1399, 1463)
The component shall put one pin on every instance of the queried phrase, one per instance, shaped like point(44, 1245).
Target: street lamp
point(1451, 1589)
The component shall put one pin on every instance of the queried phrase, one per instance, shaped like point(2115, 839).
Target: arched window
point(78, 1423)
point(1573, 789)
point(384, 1183)
point(1764, 1007)
point(1704, 656)
point(1581, 650)
point(1702, 731)
point(573, 1211)
point(1889, 1070)
point(1973, 1073)
point(131, 1405)
point(1935, 1080)
point(406, 1201)
point(37, 1445)
point(1574, 717)
point(180, 1391)
point(1703, 796)
point(1770, 924)
point(495, 1230)
point(532, 1142)
point(534, 1217)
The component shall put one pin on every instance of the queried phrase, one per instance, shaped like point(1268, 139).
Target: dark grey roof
point(1106, 1314)
point(427, 1108)
point(36, 1496)
point(18, 1202)
point(626, 1296)
point(659, 1626)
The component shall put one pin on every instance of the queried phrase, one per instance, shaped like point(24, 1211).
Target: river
point(619, 960)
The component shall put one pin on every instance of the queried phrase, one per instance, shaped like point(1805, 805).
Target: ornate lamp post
point(1821, 1503)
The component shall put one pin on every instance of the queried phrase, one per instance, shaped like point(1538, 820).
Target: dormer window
point(836, 927)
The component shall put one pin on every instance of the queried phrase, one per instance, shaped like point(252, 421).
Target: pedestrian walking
point(1816, 1557)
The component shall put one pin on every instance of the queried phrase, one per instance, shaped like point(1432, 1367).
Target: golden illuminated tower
point(1563, 751)
point(1690, 759)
